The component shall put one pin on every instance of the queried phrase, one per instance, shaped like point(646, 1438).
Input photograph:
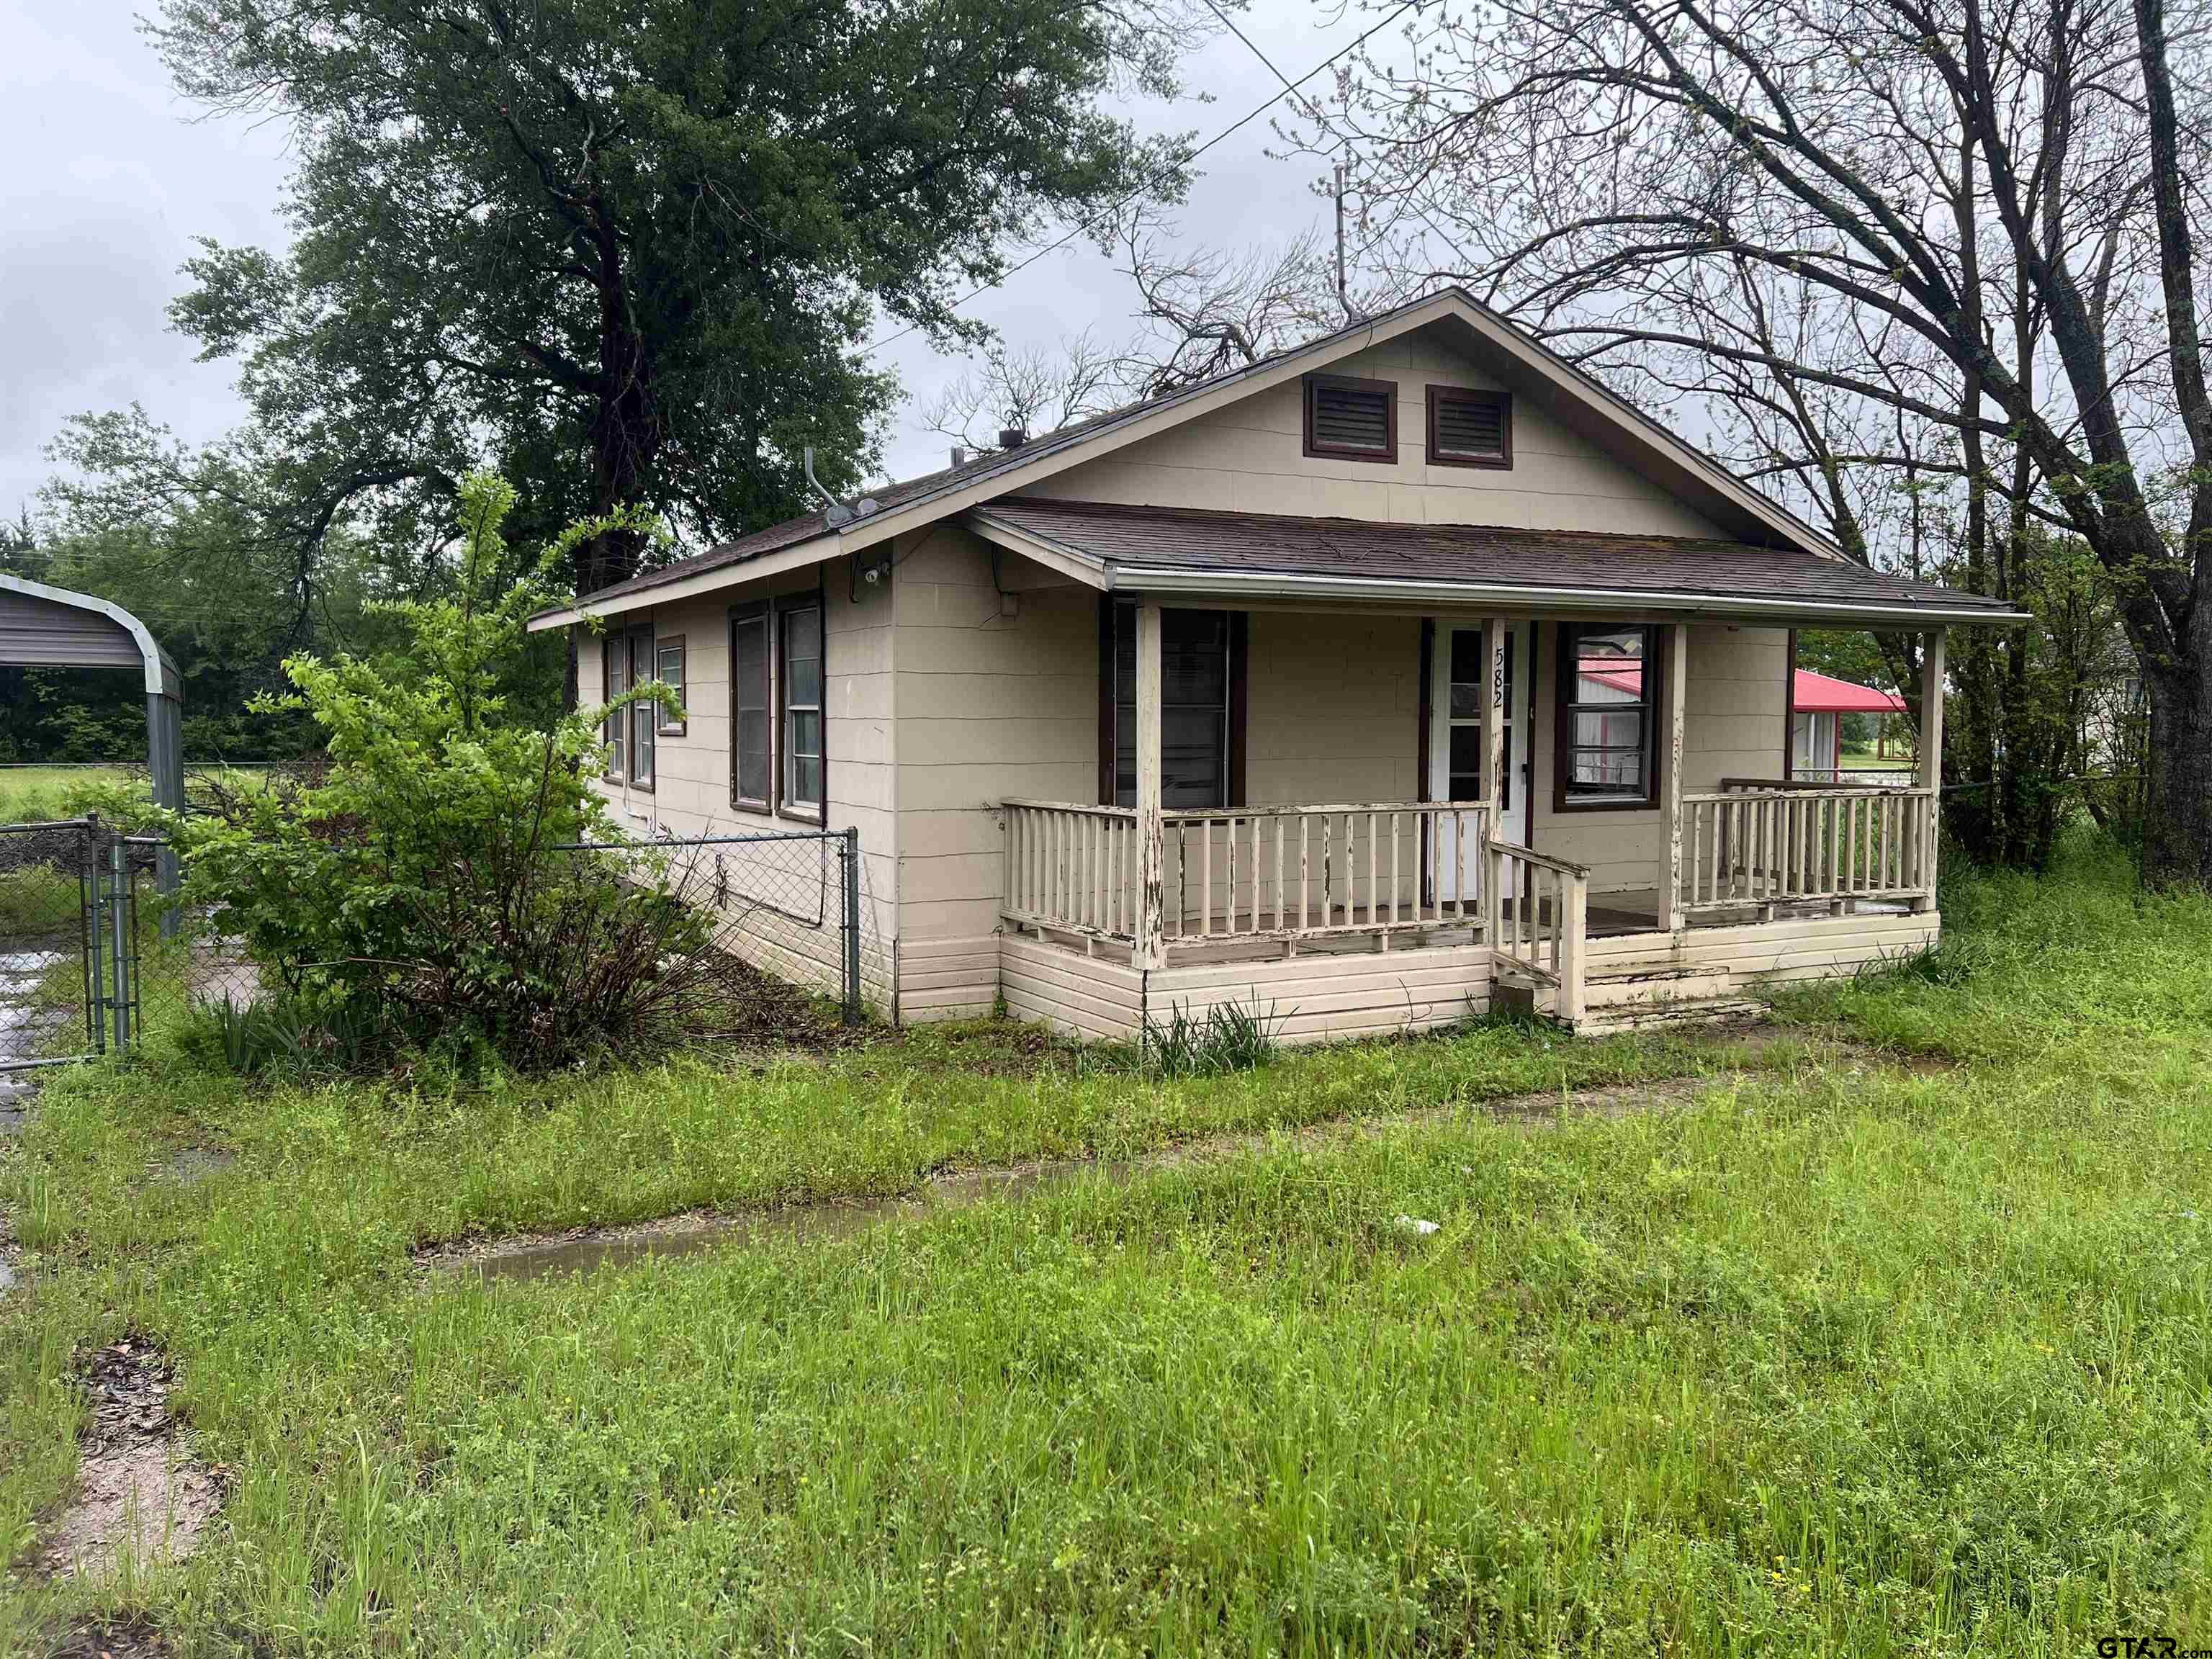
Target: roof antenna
point(1343, 296)
point(835, 512)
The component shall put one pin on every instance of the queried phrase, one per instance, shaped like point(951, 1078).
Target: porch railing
point(1302, 873)
point(1072, 868)
point(1281, 874)
point(1540, 920)
point(1758, 843)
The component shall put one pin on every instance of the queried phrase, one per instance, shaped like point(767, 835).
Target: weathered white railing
point(1072, 868)
point(1540, 920)
point(1279, 873)
point(1760, 843)
point(1302, 873)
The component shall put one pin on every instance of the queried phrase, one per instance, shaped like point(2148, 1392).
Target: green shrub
point(415, 884)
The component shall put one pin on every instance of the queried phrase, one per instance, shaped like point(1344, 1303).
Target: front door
point(1455, 742)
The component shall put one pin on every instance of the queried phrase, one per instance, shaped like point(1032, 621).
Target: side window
point(643, 716)
point(751, 768)
point(802, 708)
point(614, 680)
point(670, 660)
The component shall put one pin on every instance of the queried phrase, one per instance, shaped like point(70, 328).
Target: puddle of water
point(836, 1219)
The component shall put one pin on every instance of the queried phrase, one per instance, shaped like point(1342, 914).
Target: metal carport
point(43, 627)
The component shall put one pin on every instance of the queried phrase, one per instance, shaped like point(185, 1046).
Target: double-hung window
point(778, 758)
point(801, 680)
point(753, 772)
point(670, 660)
point(1603, 733)
point(644, 717)
point(1198, 667)
point(614, 681)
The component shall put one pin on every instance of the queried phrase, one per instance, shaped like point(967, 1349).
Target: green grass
point(1843, 1358)
point(31, 794)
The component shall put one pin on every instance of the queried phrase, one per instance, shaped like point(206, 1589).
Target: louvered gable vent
point(1468, 427)
point(1352, 420)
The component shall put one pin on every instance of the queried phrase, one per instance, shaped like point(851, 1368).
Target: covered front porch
point(1343, 918)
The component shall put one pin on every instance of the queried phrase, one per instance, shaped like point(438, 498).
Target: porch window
point(1199, 665)
point(751, 771)
point(1608, 689)
point(802, 710)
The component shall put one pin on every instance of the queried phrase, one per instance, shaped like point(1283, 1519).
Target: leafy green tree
point(416, 883)
point(626, 253)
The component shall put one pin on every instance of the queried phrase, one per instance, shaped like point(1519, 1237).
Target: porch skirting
point(1336, 995)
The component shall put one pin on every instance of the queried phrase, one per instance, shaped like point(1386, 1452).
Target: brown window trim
point(1240, 653)
point(1387, 456)
point(1789, 710)
point(1654, 696)
point(1499, 463)
point(667, 726)
point(631, 713)
point(1109, 739)
point(757, 610)
point(607, 642)
point(779, 657)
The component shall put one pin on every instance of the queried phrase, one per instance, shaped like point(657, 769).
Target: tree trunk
point(626, 428)
point(2178, 819)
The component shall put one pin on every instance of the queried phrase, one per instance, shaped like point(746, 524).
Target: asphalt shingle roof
point(1182, 538)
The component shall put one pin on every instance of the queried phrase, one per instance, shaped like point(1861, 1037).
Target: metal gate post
point(849, 854)
point(95, 887)
point(119, 901)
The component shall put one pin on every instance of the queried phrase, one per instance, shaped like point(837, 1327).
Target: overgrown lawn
point(1843, 1357)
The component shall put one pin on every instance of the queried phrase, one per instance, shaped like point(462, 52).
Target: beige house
point(1398, 672)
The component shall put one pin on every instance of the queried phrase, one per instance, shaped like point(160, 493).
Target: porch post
point(1493, 720)
point(1675, 686)
point(1152, 835)
point(1931, 761)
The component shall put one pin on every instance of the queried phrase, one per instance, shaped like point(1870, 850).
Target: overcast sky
point(113, 176)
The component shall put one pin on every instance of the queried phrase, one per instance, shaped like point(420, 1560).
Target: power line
point(1243, 121)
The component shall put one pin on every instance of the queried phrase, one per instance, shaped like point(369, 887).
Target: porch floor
point(1610, 915)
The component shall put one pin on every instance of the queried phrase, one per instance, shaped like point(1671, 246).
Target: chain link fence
point(91, 951)
point(797, 904)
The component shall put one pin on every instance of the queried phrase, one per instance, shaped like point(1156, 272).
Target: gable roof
point(1186, 552)
point(1576, 397)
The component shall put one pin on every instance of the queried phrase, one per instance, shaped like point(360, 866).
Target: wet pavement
point(34, 1009)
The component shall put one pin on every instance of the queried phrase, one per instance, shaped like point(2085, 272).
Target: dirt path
point(537, 1256)
point(139, 1498)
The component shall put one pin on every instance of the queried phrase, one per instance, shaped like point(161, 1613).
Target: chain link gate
point(68, 943)
point(76, 969)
